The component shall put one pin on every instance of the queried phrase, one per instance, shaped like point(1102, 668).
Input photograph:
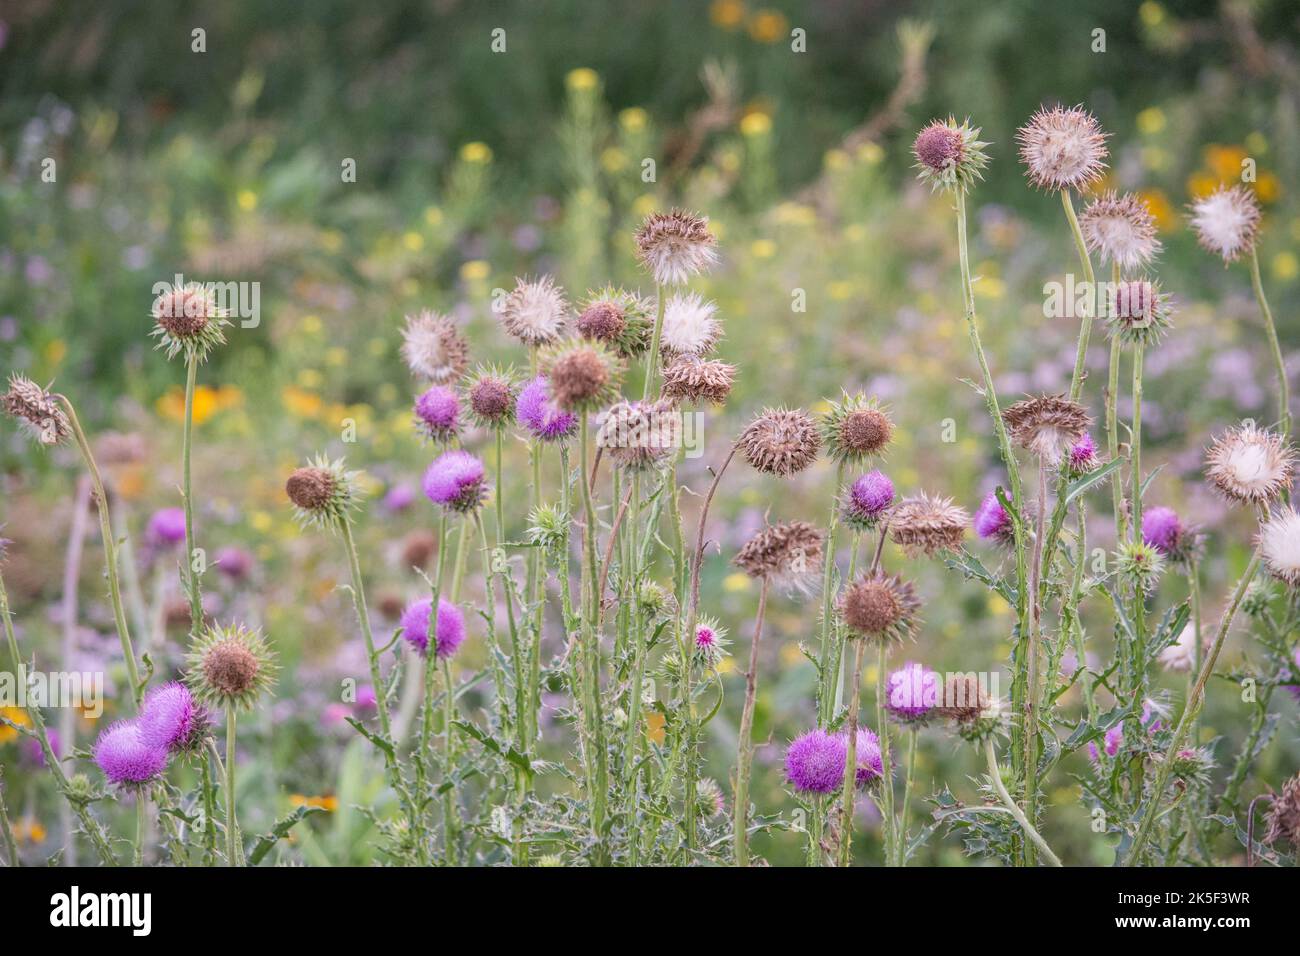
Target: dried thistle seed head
point(621, 319)
point(1279, 545)
point(1250, 465)
point(1227, 222)
point(322, 492)
point(536, 312)
point(690, 327)
point(949, 156)
point(926, 525)
point(1141, 564)
point(37, 410)
point(230, 667)
point(1284, 815)
point(583, 375)
point(1138, 312)
point(639, 436)
point(433, 348)
point(492, 396)
point(699, 380)
point(676, 245)
point(963, 698)
point(856, 427)
point(1121, 230)
point(790, 552)
point(186, 319)
point(781, 441)
point(1047, 425)
point(1063, 149)
point(880, 607)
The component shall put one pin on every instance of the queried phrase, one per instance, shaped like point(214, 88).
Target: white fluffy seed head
point(1121, 229)
point(1250, 465)
point(1063, 149)
point(536, 312)
point(676, 245)
point(1181, 654)
point(1279, 545)
point(1227, 222)
point(690, 327)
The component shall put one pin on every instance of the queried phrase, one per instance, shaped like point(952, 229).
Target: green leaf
point(1080, 485)
point(279, 832)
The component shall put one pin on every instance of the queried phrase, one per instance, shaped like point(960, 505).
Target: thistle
point(789, 552)
point(456, 480)
point(949, 156)
point(491, 394)
point(880, 607)
point(1250, 465)
point(37, 410)
point(186, 319)
point(1279, 545)
point(1063, 149)
point(620, 319)
point(583, 376)
point(437, 413)
point(676, 245)
point(1227, 221)
point(1047, 425)
point(927, 525)
point(1121, 230)
point(781, 442)
point(230, 668)
point(867, 500)
point(433, 348)
point(323, 492)
point(690, 328)
point(1140, 564)
point(698, 381)
point(536, 312)
point(1138, 312)
point(856, 428)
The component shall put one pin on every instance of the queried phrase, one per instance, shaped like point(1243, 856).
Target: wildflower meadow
point(745, 436)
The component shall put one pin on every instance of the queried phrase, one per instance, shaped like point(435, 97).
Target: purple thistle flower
point(913, 692)
point(992, 520)
point(234, 562)
point(438, 411)
point(125, 758)
point(366, 699)
point(450, 627)
point(1083, 456)
point(814, 763)
point(455, 480)
point(168, 718)
point(705, 637)
point(166, 526)
point(1162, 529)
point(871, 766)
point(540, 415)
point(399, 498)
point(868, 498)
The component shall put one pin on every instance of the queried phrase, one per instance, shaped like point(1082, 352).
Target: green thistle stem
point(995, 778)
point(652, 360)
point(829, 672)
point(888, 823)
point(591, 642)
point(192, 585)
point(1283, 388)
point(1112, 428)
point(850, 786)
point(234, 851)
point(745, 754)
point(1085, 327)
point(11, 848)
point(141, 827)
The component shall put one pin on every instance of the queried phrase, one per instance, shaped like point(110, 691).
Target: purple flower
point(870, 765)
point(167, 526)
point(399, 498)
point(234, 562)
point(869, 497)
point(366, 699)
point(169, 718)
point(539, 414)
point(706, 637)
point(438, 410)
point(913, 692)
point(450, 628)
point(1162, 529)
point(455, 480)
point(1083, 456)
point(992, 520)
point(814, 763)
point(125, 758)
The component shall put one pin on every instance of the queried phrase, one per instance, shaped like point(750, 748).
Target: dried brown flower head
point(881, 607)
point(695, 381)
point(584, 375)
point(433, 348)
point(1284, 814)
point(963, 698)
point(925, 525)
point(1047, 425)
point(230, 668)
point(636, 435)
point(1063, 149)
point(310, 488)
point(1227, 222)
point(418, 548)
point(536, 312)
point(791, 550)
point(1121, 229)
point(781, 441)
point(676, 245)
point(37, 409)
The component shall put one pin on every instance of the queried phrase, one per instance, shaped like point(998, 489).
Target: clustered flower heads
point(676, 245)
point(1279, 545)
point(535, 312)
point(1063, 148)
point(433, 348)
point(37, 409)
point(1139, 313)
point(583, 375)
point(449, 631)
point(788, 552)
point(867, 500)
point(1047, 425)
point(814, 762)
point(949, 156)
point(491, 393)
point(880, 607)
point(456, 480)
point(230, 667)
point(622, 320)
point(1250, 465)
point(540, 415)
point(781, 441)
point(922, 524)
point(186, 319)
point(323, 492)
point(639, 435)
point(699, 380)
point(437, 413)
point(1121, 229)
point(1226, 222)
point(855, 428)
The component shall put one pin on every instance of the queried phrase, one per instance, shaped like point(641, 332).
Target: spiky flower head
point(1083, 458)
point(1138, 312)
point(186, 319)
point(323, 491)
point(437, 413)
point(1121, 230)
point(1063, 148)
point(638, 435)
point(814, 763)
point(433, 347)
point(781, 441)
point(676, 245)
point(457, 481)
point(229, 668)
point(621, 319)
point(1193, 765)
point(536, 312)
point(1047, 425)
point(867, 500)
point(949, 156)
point(1259, 598)
point(699, 380)
point(1284, 815)
point(171, 720)
point(1250, 465)
point(1165, 531)
point(993, 521)
point(548, 528)
point(1227, 222)
point(856, 428)
point(710, 797)
point(538, 413)
point(655, 601)
point(965, 700)
point(867, 756)
point(690, 326)
point(491, 392)
point(923, 524)
point(710, 642)
point(583, 375)
point(449, 631)
point(913, 691)
point(37, 410)
point(880, 607)
point(1279, 545)
point(790, 552)
point(1141, 564)
point(126, 759)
